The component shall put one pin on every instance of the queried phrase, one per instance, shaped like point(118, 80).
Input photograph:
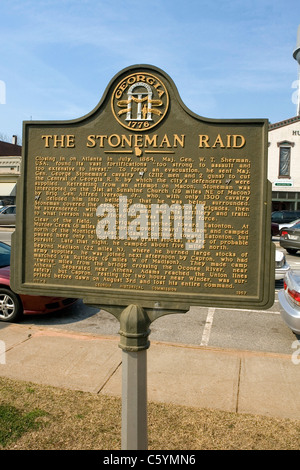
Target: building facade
point(10, 166)
point(284, 164)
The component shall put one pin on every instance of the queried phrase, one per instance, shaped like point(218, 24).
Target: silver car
point(281, 266)
point(8, 215)
point(289, 300)
point(290, 238)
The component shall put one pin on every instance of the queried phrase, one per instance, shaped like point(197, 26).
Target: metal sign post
point(134, 400)
point(144, 209)
point(134, 332)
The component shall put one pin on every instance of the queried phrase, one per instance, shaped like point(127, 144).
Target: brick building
point(10, 165)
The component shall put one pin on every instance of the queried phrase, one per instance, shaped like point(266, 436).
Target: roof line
point(286, 122)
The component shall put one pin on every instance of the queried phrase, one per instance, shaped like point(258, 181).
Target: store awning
point(8, 189)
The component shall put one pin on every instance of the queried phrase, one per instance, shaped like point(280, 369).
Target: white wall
point(290, 133)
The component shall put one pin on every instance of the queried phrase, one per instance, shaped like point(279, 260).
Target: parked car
point(287, 225)
point(12, 305)
point(280, 217)
point(281, 266)
point(8, 215)
point(289, 300)
point(290, 238)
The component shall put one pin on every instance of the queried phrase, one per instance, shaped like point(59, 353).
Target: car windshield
point(296, 225)
point(4, 255)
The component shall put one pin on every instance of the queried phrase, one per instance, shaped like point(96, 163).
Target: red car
point(12, 305)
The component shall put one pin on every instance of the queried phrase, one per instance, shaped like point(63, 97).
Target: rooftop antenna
point(296, 55)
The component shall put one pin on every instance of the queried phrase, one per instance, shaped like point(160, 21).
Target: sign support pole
point(134, 332)
point(134, 400)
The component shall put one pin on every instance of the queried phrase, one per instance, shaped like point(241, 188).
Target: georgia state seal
point(140, 101)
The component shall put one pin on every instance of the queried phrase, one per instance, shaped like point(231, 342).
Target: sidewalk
point(230, 380)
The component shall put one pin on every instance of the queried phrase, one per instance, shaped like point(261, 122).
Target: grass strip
point(38, 417)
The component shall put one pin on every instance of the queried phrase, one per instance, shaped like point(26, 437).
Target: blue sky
point(228, 59)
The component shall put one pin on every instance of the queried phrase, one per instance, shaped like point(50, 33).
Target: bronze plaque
point(144, 202)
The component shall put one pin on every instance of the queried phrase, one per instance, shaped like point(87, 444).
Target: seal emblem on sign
point(140, 101)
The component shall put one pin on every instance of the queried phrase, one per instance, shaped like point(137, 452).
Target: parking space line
point(207, 327)
point(248, 310)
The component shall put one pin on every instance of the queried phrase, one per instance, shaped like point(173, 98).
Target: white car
point(289, 300)
point(281, 266)
point(280, 226)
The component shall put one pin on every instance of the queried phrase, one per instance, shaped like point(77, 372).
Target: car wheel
point(291, 251)
point(10, 306)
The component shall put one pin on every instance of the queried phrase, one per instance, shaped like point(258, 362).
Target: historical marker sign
point(144, 202)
